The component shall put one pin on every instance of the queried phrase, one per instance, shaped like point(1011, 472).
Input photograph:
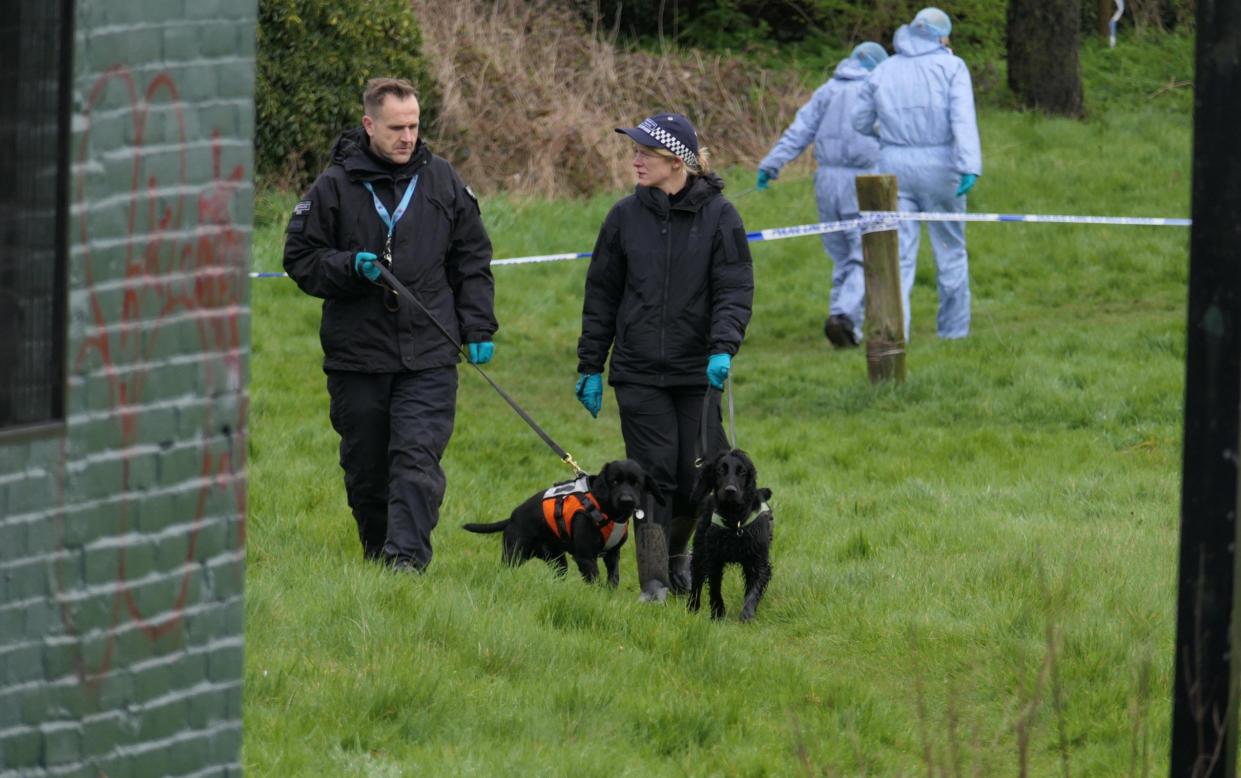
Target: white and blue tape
point(877, 221)
point(1130, 221)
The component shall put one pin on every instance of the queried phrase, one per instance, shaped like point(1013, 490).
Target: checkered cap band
point(669, 141)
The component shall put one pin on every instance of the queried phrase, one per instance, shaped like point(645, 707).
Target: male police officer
point(391, 374)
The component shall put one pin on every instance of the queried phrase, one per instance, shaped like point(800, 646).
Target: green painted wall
point(122, 535)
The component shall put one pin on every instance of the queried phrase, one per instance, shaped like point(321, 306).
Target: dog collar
point(763, 510)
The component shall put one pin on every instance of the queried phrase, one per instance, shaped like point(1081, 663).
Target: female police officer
point(669, 291)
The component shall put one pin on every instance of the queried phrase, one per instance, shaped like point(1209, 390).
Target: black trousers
point(394, 428)
point(661, 430)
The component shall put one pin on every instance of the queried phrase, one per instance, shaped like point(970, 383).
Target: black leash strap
point(704, 421)
point(704, 438)
point(402, 290)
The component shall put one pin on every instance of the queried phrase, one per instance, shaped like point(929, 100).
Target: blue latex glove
point(366, 265)
point(967, 183)
point(717, 369)
point(480, 353)
point(764, 178)
point(589, 391)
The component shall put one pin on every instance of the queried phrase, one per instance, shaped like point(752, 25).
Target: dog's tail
point(495, 526)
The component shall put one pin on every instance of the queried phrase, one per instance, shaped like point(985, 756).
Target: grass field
point(974, 571)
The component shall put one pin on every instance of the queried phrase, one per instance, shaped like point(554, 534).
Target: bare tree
point(1043, 69)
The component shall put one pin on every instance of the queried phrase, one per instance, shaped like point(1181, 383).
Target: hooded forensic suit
point(842, 154)
point(921, 101)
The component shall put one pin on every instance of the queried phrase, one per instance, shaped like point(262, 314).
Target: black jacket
point(669, 284)
point(441, 252)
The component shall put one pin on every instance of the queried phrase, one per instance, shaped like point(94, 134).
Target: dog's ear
point(764, 494)
point(653, 489)
point(745, 460)
point(599, 483)
point(706, 479)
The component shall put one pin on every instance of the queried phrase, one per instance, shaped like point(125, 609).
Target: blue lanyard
point(391, 221)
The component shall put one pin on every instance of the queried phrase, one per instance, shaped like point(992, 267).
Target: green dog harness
point(763, 510)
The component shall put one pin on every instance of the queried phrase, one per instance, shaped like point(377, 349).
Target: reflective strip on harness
point(763, 510)
point(570, 498)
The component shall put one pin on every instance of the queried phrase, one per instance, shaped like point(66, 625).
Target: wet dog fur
point(728, 486)
point(620, 486)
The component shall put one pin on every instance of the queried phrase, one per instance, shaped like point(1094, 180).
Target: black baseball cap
point(671, 131)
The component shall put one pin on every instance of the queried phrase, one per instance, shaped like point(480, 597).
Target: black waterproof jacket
point(669, 284)
point(441, 252)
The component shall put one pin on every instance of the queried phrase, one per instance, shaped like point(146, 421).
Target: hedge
point(804, 25)
point(314, 59)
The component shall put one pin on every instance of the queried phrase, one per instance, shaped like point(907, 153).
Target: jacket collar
point(352, 152)
point(701, 190)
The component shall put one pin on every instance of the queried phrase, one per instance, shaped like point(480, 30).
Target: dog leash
point(704, 442)
point(400, 289)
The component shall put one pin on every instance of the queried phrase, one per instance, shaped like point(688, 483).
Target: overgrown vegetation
point(530, 96)
point(803, 27)
point(800, 29)
point(523, 96)
point(314, 59)
point(533, 113)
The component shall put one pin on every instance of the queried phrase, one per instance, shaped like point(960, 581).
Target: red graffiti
point(177, 271)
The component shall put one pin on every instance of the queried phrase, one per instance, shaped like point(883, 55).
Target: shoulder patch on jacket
point(297, 221)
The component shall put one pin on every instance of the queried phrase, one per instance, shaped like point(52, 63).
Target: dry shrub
point(530, 94)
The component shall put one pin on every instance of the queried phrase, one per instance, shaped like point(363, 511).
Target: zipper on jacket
point(663, 314)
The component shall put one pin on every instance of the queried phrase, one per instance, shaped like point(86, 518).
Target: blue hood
point(850, 69)
point(905, 42)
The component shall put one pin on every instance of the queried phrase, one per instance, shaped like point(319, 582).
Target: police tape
point(1034, 218)
point(875, 221)
point(881, 221)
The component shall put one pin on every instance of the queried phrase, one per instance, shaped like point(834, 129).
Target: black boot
point(372, 532)
point(839, 330)
point(651, 547)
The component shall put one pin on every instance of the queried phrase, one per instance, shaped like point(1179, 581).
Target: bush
point(314, 59)
point(799, 24)
point(1141, 15)
point(797, 29)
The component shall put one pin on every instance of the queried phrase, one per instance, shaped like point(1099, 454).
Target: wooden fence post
point(881, 267)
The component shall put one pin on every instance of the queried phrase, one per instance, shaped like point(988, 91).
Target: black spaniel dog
point(586, 518)
point(734, 527)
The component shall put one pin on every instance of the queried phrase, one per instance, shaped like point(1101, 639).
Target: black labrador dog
point(585, 519)
point(734, 527)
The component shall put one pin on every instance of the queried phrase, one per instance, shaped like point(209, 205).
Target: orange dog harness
point(563, 501)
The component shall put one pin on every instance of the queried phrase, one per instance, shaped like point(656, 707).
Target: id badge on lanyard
point(390, 220)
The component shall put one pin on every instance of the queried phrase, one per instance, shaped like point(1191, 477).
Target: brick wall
point(122, 534)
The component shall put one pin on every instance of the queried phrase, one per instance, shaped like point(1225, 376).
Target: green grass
point(930, 537)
